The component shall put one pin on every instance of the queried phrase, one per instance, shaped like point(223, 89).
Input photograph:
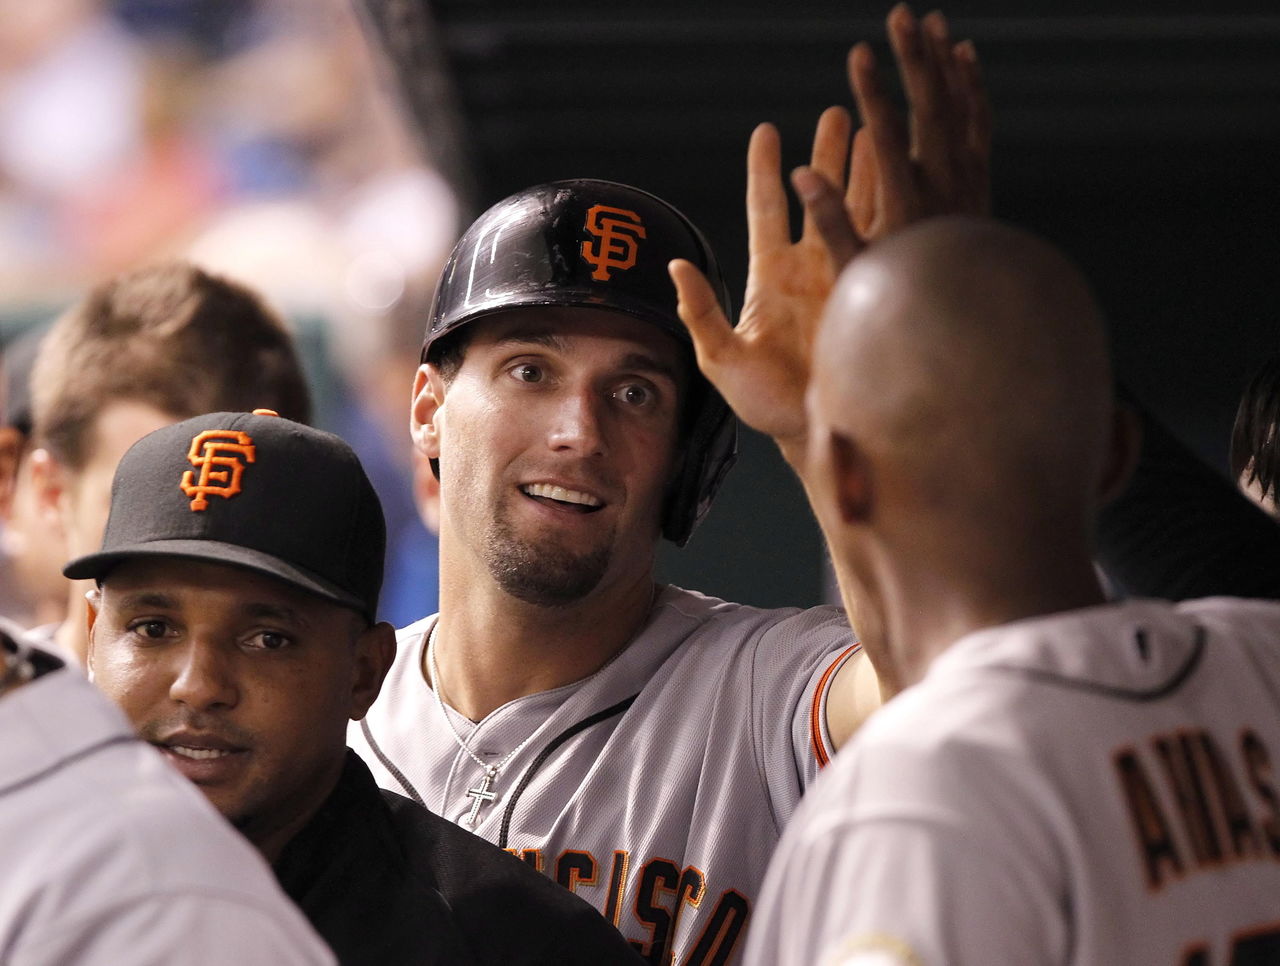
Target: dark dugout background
point(1142, 137)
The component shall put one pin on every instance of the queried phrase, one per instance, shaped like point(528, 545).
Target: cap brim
point(96, 566)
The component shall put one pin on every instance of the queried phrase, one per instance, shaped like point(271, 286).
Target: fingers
point(830, 153)
point(863, 193)
point(768, 222)
point(825, 210)
point(974, 92)
point(978, 128)
point(915, 45)
point(885, 133)
point(699, 310)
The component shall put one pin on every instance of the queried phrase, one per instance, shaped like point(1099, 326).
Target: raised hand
point(761, 367)
point(936, 162)
point(899, 171)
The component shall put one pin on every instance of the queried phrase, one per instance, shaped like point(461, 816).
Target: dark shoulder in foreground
point(387, 882)
point(509, 912)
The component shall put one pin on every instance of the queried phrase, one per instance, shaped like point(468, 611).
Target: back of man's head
point(968, 360)
point(169, 336)
point(1255, 454)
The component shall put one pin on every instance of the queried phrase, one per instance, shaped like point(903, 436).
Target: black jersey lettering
point(575, 868)
point(617, 885)
point(1257, 763)
point(1181, 770)
point(1156, 847)
point(655, 909)
point(721, 934)
point(1242, 838)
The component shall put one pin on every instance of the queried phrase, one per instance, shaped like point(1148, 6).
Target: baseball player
point(1065, 781)
point(234, 624)
point(32, 590)
point(110, 857)
point(143, 350)
point(641, 744)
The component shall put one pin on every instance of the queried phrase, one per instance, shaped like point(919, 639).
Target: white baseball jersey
point(1095, 787)
point(656, 788)
point(108, 856)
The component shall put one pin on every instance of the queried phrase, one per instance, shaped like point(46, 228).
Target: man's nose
point(205, 678)
point(579, 423)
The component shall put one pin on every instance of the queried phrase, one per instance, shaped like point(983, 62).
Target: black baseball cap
point(251, 490)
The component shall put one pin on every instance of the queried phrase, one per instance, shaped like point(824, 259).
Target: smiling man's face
point(244, 683)
point(557, 440)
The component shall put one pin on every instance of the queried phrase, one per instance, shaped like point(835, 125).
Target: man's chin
point(543, 574)
point(545, 589)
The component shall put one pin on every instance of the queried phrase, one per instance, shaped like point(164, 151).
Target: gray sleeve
point(902, 891)
point(793, 662)
point(192, 928)
point(910, 857)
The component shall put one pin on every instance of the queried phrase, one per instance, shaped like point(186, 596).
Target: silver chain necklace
point(482, 793)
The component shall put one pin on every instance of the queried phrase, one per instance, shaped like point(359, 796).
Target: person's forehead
point(120, 424)
point(561, 325)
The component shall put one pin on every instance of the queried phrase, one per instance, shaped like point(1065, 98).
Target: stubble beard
point(540, 572)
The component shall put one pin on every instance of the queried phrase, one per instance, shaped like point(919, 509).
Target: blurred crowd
point(255, 138)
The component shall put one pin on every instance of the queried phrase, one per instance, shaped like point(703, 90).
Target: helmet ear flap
point(709, 452)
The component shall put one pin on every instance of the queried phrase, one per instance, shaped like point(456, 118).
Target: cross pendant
point(479, 796)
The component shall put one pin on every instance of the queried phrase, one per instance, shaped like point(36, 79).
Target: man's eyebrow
point(538, 336)
point(642, 362)
point(277, 612)
point(259, 610)
point(141, 599)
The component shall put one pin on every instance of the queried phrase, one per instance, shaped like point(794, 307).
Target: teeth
point(561, 494)
point(198, 754)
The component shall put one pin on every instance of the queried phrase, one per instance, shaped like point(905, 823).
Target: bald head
point(967, 360)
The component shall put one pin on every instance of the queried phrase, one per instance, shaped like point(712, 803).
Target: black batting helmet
point(596, 244)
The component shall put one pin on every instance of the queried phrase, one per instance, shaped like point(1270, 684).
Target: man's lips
point(564, 497)
point(204, 759)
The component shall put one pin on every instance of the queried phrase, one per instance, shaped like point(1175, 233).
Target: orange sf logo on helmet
point(617, 229)
point(221, 455)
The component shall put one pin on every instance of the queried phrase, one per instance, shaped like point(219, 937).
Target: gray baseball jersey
point(109, 856)
point(1092, 787)
point(656, 788)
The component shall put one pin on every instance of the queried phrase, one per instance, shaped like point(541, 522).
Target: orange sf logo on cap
point(221, 455)
point(617, 229)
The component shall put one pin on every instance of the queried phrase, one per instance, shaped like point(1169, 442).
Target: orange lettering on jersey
point(1257, 763)
point(616, 230)
point(1156, 846)
point(220, 455)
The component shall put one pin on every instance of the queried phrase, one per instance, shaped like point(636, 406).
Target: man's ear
point(375, 652)
point(852, 484)
point(49, 479)
point(93, 599)
point(1122, 452)
point(428, 397)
